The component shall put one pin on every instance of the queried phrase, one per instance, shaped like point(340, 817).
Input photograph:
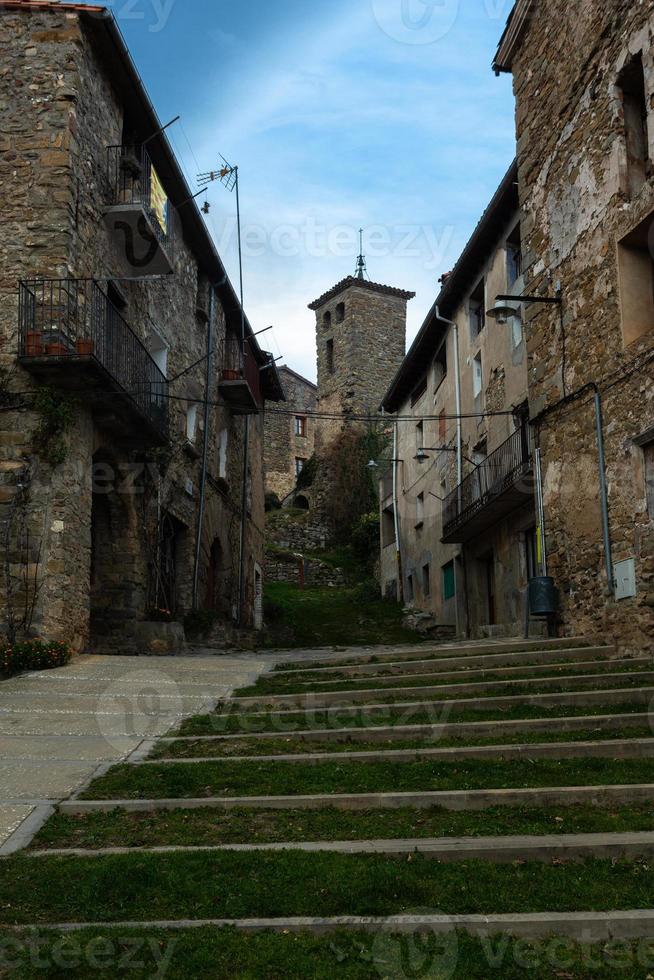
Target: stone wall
point(289, 568)
point(282, 445)
point(578, 204)
point(98, 539)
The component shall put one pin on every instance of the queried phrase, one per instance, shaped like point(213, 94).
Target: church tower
point(361, 339)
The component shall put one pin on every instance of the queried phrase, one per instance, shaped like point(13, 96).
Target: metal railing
point(134, 180)
point(69, 319)
point(237, 367)
point(500, 471)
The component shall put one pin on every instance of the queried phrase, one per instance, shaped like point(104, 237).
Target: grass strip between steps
point(269, 684)
point(211, 827)
point(293, 883)
point(225, 954)
point(226, 723)
point(483, 690)
point(291, 746)
point(227, 778)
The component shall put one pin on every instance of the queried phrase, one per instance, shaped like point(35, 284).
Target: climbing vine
point(352, 487)
point(57, 412)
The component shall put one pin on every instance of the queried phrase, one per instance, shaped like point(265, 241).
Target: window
point(159, 352)
point(440, 367)
point(301, 426)
point(513, 257)
point(478, 309)
point(477, 376)
point(420, 509)
point(410, 591)
point(631, 84)
point(329, 356)
point(191, 422)
point(426, 580)
point(340, 312)
point(327, 319)
point(387, 527)
point(299, 465)
point(648, 452)
point(420, 435)
point(419, 391)
point(636, 282)
point(449, 582)
point(223, 441)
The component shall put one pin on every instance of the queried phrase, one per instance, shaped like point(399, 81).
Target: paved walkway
point(58, 726)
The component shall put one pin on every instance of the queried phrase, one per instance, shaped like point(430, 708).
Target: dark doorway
point(213, 596)
point(166, 575)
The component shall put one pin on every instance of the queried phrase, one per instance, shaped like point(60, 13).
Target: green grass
point(335, 617)
point(272, 884)
point(208, 826)
point(332, 718)
point(269, 684)
point(225, 954)
point(290, 746)
point(558, 685)
point(227, 778)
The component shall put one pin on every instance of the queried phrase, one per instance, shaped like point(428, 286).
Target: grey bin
point(542, 596)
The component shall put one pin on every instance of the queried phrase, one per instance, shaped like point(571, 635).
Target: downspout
point(205, 451)
point(604, 495)
point(244, 517)
point(396, 518)
point(459, 455)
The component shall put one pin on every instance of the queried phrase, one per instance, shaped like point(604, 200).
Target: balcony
point(500, 485)
point(139, 213)
point(240, 382)
point(71, 336)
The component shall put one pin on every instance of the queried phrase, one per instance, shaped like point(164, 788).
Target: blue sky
point(376, 113)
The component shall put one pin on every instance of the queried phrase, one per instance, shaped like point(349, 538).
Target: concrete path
point(58, 726)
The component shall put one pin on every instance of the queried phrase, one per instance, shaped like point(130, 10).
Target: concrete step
point(490, 673)
point(420, 652)
point(585, 927)
point(636, 748)
point(534, 657)
point(604, 696)
point(498, 850)
point(473, 729)
point(462, 799)
point(368, 695)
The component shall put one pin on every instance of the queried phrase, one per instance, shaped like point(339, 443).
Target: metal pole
point(205, 451)
point(540, 511)
point(604, 497)
point(240, 267)
point(246, 433)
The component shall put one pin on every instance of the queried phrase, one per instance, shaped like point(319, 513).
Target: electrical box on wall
point(625, 579)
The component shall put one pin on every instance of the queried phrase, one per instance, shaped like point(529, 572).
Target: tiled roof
point(374, 287)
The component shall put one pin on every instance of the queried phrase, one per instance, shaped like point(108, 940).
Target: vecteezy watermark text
point(121, 954)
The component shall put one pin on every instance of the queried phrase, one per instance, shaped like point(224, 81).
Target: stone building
point(289, 438)
point(466, 545)
point(360, 340)
point(583, 77)
point(126, 362)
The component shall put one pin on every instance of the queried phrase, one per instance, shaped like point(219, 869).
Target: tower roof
point(374, 287)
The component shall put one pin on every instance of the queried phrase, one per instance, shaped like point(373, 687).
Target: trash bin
point(542, 596)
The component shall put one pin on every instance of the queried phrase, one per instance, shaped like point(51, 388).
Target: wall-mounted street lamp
point(375, 464)
point(509, 306)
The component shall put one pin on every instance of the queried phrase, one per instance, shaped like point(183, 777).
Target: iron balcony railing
point(499, 472)
point(70, 319)
point(134, 180)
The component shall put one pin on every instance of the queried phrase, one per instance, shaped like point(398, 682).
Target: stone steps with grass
point(529, 775)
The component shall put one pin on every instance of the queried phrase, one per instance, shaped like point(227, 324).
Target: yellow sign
point(158, 200)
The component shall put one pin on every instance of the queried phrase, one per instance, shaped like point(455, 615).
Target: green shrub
point(32, 655)
point(367, 591)
point(364, 538)
point(273, 612)
point(308, 474)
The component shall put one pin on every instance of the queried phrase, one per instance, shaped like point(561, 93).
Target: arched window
point(327, 319)
point(340, 312)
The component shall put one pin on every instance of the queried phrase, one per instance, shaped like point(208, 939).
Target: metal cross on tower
point(361, 272)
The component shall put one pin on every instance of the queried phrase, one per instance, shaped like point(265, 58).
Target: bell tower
point(361, 341)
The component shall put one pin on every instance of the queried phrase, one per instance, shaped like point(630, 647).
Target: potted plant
point(84, 346)
point(33, 343)
point(231, 374)
point(55, 347)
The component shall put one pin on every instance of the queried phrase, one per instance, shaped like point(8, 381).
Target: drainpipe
point(604, 495)
point(396, 517)
point(244, 517)
point(459, 453)
point(205, 450)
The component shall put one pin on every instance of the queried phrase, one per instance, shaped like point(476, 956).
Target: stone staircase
point(495, 761)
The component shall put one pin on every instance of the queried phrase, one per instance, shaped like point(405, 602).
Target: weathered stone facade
point(112, 527)
point(466, 552)
point(289, 436)
point(584, 85)
point(360, 340)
